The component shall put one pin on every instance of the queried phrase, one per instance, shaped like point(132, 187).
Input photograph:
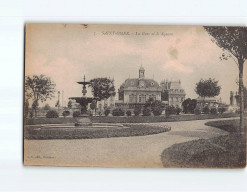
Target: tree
point(47, 107)
point(233, 42)
point(39, 88)
point(207, 88)
point(185, 105)
point(102, 89)
point(35, 105)
point(189, 105)
point(69, 104)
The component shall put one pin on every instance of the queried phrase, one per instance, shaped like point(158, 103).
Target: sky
point(67, 52)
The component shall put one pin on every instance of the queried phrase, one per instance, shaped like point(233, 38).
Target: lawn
point(220, 152)
point(132, 119)
point(32, 132)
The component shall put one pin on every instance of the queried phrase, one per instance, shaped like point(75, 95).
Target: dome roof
point(141, 68)
point(135, 83)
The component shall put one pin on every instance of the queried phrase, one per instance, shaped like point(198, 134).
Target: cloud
point(177, 66)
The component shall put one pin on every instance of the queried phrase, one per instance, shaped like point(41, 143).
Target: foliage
point(207, 88)
point(189, 105)
point(137, 110)
point(121, 93)
point(157, 108)
point(93, 105)
point(76, 114)
point(233, 42)
point(221, 110)
point(170, 110)
point(102, 88)
point(128, 113)
point(178, 110)
point(146, 111)
point(66, 113)
point(206, 110)
point(69, 104)
point(213, 110)
point(39, 87)
point(118, 112)
point(197, 111)
point(52, 114)
point(47, 107)
point(107, 111)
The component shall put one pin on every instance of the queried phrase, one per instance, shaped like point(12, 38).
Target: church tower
point(141, 73)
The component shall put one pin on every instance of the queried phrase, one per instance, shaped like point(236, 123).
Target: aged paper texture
point(135, 96)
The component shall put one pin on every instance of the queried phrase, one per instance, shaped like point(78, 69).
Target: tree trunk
point(241, 95)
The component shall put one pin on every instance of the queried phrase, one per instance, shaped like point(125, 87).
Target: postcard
point(135, 96)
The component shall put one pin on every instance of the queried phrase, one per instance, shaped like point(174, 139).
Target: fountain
point(83, 119)
point(85, 129)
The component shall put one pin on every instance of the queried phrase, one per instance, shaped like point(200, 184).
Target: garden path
point(140, 151)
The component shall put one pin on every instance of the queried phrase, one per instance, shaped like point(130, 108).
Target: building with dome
point(136, 91)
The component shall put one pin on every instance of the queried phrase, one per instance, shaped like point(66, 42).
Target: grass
point(220, 152)
point(92, 133)
point(131, 119)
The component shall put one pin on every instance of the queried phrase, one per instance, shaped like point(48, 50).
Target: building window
point(132, 98)
point(177, 99)
point(132, 83)
point(152, 96)
point(142, 98)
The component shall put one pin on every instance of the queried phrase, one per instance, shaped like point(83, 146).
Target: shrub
point(137, 110)
point(178, 110)
point(76, 114)
point(107, 111)
point(118, 112)
point(128, 113)
point(52, 114)
point(197, 111)
point(121, 112)
point(157, 108)
point(66, 113)
point(170, 110)
point(221, 110)
point(213, 111)
point(206, 110)
point(146, 111)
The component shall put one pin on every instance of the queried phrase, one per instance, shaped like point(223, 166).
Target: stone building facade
point(175, 94)
point(136, 91)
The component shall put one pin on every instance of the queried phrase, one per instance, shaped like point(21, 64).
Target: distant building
point(234, 98)
point(174, 94)
point(136, 91)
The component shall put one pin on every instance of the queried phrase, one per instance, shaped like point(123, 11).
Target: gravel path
point(141, 151)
